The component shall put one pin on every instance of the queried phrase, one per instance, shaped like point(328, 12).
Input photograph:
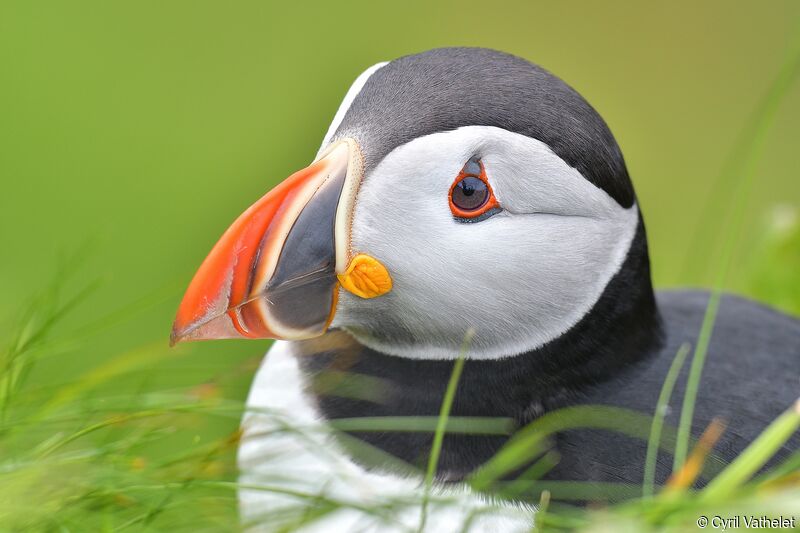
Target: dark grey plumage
point(447, 88)
point(751, 375)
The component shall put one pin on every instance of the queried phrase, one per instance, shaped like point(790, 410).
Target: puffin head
point(456, 189)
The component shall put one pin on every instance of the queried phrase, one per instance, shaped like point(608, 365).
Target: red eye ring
point(472, 169)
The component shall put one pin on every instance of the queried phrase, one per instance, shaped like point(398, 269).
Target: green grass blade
point(786, 468)
point(583, 490)
point(471, 425)
point(444, 413)
point(530, 441)
point(658, 419)
point(754, 456)
point(693, 381)
point(514, 489)
point(544, 504)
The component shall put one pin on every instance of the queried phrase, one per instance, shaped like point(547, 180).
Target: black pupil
point(470, 193)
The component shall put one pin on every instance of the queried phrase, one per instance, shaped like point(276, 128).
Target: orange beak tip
point(174, 338)
point(177, 335)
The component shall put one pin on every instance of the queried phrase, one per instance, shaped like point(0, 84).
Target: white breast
point(287, 458)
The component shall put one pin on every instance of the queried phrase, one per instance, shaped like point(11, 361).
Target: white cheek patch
point(520, 278)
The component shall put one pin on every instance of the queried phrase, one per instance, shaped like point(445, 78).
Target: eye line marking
point(480, 218)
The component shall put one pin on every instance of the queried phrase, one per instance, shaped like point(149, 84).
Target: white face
point(520, 278)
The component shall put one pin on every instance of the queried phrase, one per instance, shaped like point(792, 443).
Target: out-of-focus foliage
point(774, 263)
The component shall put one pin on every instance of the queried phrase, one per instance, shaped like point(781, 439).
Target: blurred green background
point(144, 128)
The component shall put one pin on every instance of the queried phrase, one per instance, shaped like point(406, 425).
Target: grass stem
point(658, 419)
point(444, 413)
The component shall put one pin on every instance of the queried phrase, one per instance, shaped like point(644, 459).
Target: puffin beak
point(275, 273)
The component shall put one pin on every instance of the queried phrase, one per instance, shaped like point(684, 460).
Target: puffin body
point(463, 194)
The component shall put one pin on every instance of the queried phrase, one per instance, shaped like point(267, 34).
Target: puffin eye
point(471, 195)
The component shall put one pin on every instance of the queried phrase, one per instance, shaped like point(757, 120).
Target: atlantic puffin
point(463, 190)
